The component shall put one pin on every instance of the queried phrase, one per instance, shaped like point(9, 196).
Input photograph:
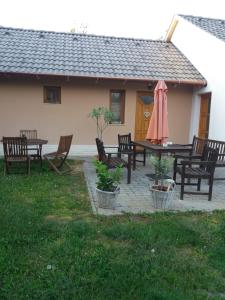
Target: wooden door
point(204, 117)
point(144, 107)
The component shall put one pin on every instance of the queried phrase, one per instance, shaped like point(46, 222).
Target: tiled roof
point(213, 26)
point(69, 54)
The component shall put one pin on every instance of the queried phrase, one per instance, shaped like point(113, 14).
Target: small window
point(146, 99)
point(52, 94)
point(117, 106)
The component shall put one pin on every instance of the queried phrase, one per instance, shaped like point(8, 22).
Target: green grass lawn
point(52, 247)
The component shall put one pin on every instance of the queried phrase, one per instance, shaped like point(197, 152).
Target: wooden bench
point(197, 169)
point(220, 145)
point(198, 145)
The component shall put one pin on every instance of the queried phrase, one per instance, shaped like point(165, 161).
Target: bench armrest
point(111, 147)
point(187, 156)
point(198, 163)
point(116, 153)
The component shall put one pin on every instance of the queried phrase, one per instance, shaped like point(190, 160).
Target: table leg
point(40, 154)
point(159, 155)
point(189, 179)
point(134, 157)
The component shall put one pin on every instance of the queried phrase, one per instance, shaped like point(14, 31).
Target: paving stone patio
point(136, 197)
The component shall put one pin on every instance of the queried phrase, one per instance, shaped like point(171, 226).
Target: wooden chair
point(31, 135)
point(196, 152)
point(125, 144)
point(205, 168)
point(113, 162)
point(197, 146)
point(58, 159)
point(15, 151)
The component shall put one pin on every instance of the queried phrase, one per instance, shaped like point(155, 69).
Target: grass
point(52, 247)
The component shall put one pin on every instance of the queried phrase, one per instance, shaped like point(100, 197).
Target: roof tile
point(43, 52)
point(214, 26)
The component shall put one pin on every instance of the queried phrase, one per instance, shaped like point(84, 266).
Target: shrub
point(162, 166)
point(107, 179)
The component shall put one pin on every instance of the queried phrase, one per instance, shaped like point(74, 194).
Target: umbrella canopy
point(158, 126)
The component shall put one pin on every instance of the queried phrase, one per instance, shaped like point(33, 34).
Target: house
point(50, 81)
point(202, 41)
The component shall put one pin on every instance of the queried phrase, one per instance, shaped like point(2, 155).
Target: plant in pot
point(162, 188)
point(103, 117)
point(107, 189)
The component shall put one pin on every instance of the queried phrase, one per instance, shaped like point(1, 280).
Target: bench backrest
point(124, 142)
point(220, 145)
point(197, 145)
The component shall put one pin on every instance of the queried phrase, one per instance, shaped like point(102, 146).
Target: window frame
point(122, 105)
point(57, 89)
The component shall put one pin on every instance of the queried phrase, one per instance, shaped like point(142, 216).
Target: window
point(52, 94)
point(117, 106)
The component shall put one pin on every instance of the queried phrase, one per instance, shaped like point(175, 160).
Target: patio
point(136, 197)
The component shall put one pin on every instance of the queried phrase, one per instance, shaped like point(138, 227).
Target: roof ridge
point(81, 34)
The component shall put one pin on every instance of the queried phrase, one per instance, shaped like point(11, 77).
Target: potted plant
point(103, 117)
point(107, 189)
point(163, 188)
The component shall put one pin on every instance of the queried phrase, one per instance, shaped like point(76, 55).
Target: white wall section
point(207, 54)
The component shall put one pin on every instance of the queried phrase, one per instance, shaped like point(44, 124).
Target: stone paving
point(136, 197)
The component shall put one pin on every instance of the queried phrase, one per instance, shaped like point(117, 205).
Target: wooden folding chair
point(15, 151)
point(58, 159)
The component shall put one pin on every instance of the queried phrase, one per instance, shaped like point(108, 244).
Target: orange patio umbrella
point(158, 126)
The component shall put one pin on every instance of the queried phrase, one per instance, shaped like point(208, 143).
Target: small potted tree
point(107, 189)
point(103, 117)
point(163, 188)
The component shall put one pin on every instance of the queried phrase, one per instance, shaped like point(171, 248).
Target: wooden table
point(39, 143)
point(159, 149)
point(35, 142)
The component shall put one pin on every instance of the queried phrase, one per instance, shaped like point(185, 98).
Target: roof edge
point(201, 17)
point(79, 34)
point(176, 81)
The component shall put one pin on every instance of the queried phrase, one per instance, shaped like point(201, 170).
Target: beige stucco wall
point(22, 107)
